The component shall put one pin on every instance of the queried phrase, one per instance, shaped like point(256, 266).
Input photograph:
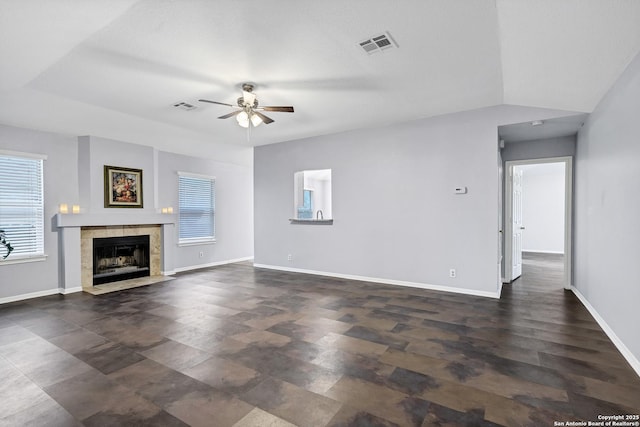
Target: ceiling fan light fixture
point(247, 116)
point(255, 120)
point(243, 119)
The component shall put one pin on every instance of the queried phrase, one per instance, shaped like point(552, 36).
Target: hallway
point(540, 272)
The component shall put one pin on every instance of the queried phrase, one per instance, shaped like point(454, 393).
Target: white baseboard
point(211, 264)
point(626, 353)
point(384, 281)
point(168, 273)
point(65, 291)
point(536, 251)
point(29, 296)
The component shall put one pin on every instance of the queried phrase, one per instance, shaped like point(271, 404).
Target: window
point(312, 195)
point(306, 210)
point(196, 210)
point(22, 203)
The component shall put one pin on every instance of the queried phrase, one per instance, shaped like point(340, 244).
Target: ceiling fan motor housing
point(242, 104)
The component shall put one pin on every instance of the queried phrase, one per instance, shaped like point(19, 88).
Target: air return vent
point(378, 43)
point(184, 106)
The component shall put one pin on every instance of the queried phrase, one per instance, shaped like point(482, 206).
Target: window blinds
point(196, 210)
point(21, 204)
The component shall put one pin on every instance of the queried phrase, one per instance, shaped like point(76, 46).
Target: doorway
point(546, 241)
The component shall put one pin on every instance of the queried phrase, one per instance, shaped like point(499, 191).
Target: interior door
point(516, 224)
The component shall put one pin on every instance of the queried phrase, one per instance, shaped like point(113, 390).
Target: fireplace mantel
point(96, 220)
point(70, 226)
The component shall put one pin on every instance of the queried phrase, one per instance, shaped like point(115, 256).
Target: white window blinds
point(196, 209)
point(21, 204)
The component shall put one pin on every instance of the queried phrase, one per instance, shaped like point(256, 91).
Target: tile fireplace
point(79, 263)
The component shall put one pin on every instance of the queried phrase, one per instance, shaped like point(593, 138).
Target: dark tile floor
point(238, 346)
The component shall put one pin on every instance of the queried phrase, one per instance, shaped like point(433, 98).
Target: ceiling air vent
point(378, 43)
point(184, 106)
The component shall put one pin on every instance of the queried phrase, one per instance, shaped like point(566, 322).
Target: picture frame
point(122, 187)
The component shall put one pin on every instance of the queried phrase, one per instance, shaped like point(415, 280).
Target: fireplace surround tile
point(75, 232)
point(87, 234)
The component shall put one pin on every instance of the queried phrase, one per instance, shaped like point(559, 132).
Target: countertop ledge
point(311, 221)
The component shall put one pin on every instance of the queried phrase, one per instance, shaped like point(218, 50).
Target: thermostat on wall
point(461, 190)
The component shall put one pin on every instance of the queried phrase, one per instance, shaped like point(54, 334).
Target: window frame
point(192, 241)
point(318, 183)
point(39, 254)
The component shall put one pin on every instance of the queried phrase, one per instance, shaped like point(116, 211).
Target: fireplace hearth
point(120, 258)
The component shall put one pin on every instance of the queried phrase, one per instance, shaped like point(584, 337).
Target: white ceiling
point(113, 68)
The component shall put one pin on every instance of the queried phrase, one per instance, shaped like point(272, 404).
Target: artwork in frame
point(122, 187)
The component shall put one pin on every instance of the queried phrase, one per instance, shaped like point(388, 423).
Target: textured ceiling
point(113, 68)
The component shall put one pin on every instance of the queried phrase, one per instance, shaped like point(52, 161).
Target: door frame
point(568, 214)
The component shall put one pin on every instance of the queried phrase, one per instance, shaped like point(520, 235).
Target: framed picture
point(122, 187)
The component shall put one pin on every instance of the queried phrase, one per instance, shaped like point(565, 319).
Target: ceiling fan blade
point(235, 113)
point(266, 120)
point(215, 102)
point(279, 109)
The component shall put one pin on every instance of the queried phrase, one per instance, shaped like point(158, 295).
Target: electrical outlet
point(201, 254)
point(452, 272)
point(289, 257)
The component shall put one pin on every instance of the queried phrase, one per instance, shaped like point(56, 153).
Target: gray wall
point(74, 174)
point(396, 216)
point(60, 186)
point(540, 148)
point(234, 194)
point(234, 208)
point(608, 208)
point(97, 152)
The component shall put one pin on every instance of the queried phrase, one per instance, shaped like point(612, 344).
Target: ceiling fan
point(249, 114)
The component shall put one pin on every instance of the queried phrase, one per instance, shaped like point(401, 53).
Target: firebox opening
point(120, 258)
